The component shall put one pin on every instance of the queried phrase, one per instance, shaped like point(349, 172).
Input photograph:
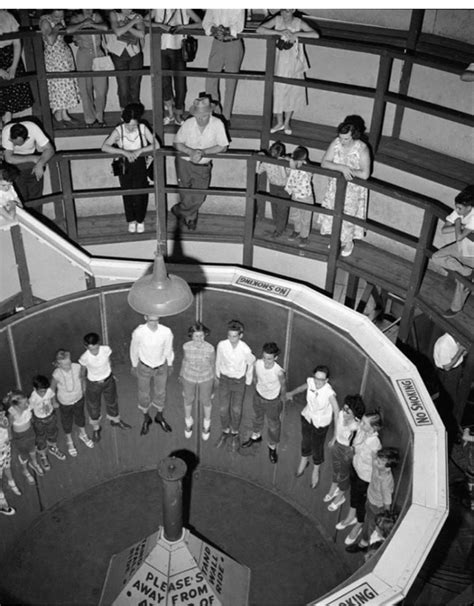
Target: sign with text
point(414, 402)
point(362, 594)
point(261, 285)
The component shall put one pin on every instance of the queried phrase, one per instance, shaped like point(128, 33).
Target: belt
point(152, 367)
point(101, 381)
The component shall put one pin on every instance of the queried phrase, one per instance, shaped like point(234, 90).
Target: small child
point(270, 393)
point(43, 404)
point(23, 435)
point(5, 462)
point(8, 197)
point(299, 186)
point(277, 177)
point(379, 494)
point(67, 383)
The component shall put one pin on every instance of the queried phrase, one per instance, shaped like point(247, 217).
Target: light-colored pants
point(224, 56)
point(302, 219)
point(93, 91)
point(450, 258)
point(202, 390)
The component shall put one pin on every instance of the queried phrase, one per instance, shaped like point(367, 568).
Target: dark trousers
point(358, 494)
point(272, 410)
point(46, 430)
point(28, 187)
point(128, 86)
point(135, 205)
point(173, 59)
point(95, 391)
point(72, 413)
point(312, 443)
point(231, 398)
point(192, 175)
point(279, 211)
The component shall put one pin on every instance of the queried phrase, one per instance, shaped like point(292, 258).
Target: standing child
point(270, 393)
point(379, 494)
point(300, 188)
point(366, 444)
point(43, 404)
point(100, 382)
point(347, 423)
point(67, 383)
point(5, 463)
point(23, 434)
point(234, 370)
point(277, 177)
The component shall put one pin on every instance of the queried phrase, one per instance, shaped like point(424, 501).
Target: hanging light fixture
point(159, 294)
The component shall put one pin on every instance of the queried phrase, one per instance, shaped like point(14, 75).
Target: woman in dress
point(172, 58)
point(290, 62)
point(132, 140)
point(58, 57)
point(349, 155)
point(93, 90)
point(17, 97)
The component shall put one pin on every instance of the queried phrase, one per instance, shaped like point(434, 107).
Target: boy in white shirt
point(99, 383)
point(270, 393)
point(234, 370)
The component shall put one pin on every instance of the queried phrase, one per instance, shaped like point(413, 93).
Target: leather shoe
point(191, 224)
point(162, 423)
point(355, 547)
point(272, 455)
point(120, 424)
point(177, 213)
point(146, 425)
point(251, 441)
point(96, 435)
point(222, 439)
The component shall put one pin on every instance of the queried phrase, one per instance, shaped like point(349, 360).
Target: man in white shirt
point(200, 135)
point(227, 52)
point(234, 370)
point(99, 383)
point(29, 149)
point(459, 256)
point(152, 356)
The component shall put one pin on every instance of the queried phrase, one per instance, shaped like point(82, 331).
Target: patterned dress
point(16, 97)
point(356, 196)
point(290, 63)
point(58, 57)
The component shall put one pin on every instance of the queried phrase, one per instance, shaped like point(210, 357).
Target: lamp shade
point(160, 294)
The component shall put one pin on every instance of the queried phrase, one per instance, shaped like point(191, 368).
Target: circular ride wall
point(310, 329)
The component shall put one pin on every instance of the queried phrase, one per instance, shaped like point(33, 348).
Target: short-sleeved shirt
point(299, 184)
point(380, 490)
point(365, 446)
point(98, 367)
point(8, 25)
point(276, 174)
point(116, 46)
point(198, 362)
point(130, 141)
point(171, 17)
point(268, 384)
point(191, 135)
point(42, 406)
point(234, 19)
point(343, 433)
point(69, 384)
point(152, 347)
point(234, 362)
point(20, 419)
point(465, 246)
point(318, 410)
point(36, 140)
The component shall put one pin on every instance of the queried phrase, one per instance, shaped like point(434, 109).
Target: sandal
point(334, 506)
point(330, 497)
point(72, 449)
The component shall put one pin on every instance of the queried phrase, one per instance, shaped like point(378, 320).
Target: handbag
point(189, 46)
point(119, 166)
point(102, 64)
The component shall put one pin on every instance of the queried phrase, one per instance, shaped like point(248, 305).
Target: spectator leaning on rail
point(29, 149)
point(200, 135)
point(459, 256)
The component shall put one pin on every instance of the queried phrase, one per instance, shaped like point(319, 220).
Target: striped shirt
point(198, 362)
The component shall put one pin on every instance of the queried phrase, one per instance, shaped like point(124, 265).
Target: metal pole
point(172, 470)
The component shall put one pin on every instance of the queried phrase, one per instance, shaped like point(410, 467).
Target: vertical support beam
point(68, 199)
point(249, 224)
point(416, 278)
point(268, 92)
point(341, 185)
point(22, 265)
point(378, 110)
point(416, 24)
point(351, 290)
point(464, 387)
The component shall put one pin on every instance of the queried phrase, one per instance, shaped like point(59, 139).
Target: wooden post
point(341, 185)
point(249, 224)
point(68, 199)
point(420, 262)
point(465, 385)
point(268, 93)
point(378, 110)
point(22, 265)
point(416, 24)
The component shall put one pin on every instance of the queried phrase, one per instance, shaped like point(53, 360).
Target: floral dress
point(289, 63)
point(355, 203)
point(58, 57)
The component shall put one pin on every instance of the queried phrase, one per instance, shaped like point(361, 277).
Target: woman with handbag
point(131, 141)
point(125, 48)
point(89, 54)
point(170, 20)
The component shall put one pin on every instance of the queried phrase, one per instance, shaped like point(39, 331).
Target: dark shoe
point(96, 435)
point(162, 423)
point(355, 548)
point(272, 455)
point(120, 424)
point(223, 439)
point(191, 225)
point(449, 313)
point(177, 213)
point(91, 124)
point(251, 441)
point(146, 425)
